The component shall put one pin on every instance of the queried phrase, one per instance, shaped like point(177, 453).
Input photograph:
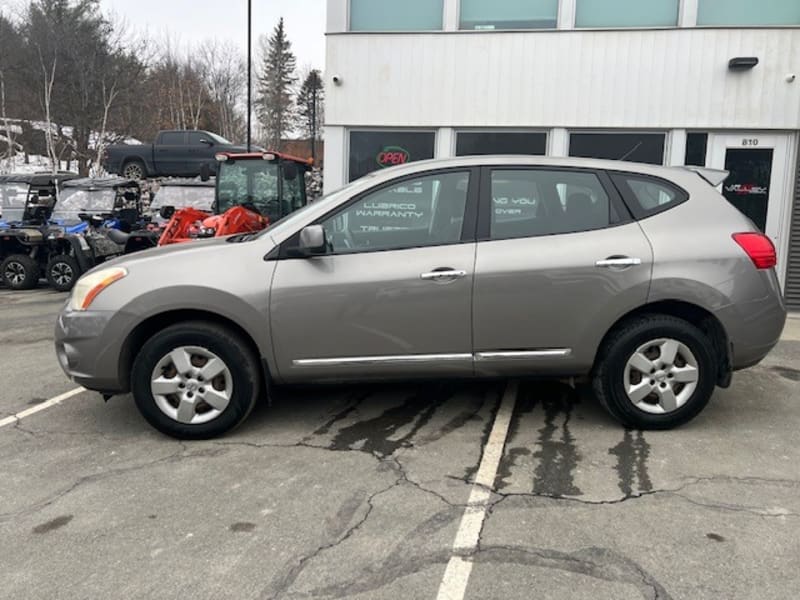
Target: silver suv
point(643, 279)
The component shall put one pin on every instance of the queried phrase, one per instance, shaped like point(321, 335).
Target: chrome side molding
point(524, 354)
point(399, 359)
point(404, 359)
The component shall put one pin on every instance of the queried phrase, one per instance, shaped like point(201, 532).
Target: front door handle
point(618, 261)
point(443, 275)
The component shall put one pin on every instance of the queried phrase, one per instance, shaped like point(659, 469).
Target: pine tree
point(310, 100)
point(275, 103)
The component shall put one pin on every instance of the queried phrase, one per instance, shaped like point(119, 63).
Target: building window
point(696, 145)
point(627, 13)
point(509, 14)
point(748, 12)
point(373, 150)
point(471, 143)
point(636, 147)
point(390, 15)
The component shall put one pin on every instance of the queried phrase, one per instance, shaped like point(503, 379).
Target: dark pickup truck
point(174, 154)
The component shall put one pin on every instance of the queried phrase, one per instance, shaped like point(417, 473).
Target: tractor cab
point(253, 190)
point(28, 199)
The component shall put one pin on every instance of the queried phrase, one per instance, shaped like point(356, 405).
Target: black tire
point(609, 374)
point(20, 272)
point(62, 272)
point(226, 345)
point(134, 169)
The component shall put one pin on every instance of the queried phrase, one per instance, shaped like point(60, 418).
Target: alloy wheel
point(191, 385)
point(661, 376)
point(61, 273)
point(15, 273)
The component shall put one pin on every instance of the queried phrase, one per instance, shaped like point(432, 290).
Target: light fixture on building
point(742, 63)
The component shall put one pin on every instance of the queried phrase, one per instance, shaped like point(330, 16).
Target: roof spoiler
point(713, 176)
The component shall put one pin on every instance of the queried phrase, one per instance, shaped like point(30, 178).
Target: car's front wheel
point(195, 380)
point(655, 372)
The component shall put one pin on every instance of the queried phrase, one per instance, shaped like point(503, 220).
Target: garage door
point(793, 266)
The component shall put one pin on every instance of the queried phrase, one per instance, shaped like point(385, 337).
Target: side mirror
point(313, 240)
point(166, 212)
point(206, 142)
point(205, 172)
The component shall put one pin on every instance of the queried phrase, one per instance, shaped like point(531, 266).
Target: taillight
point(759, 248)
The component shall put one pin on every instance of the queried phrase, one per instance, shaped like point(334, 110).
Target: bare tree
point(225, 73)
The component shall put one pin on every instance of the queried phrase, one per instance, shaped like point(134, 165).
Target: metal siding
point(675, 78)
point(792, 290)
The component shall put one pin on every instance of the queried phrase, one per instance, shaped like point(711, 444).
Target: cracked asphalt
point(358, 492)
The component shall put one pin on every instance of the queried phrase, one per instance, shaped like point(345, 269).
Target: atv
point(253, 190)
point(180, 194)
point(27, 202)
point(91, 212)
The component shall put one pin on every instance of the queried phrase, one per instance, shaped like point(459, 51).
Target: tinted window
point(636, 147)
point(421, 212)
point(373, 150)
point(696, 144)
point(649, 195)
point(509, 14)
point(536, 202)
point(196, 136)
point(626, 13)
point(172, 138)
point(390, 15)
point(474, 143)
point(748, 12)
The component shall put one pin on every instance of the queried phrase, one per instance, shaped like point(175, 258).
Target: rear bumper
point(754, 327)
point(88, 345)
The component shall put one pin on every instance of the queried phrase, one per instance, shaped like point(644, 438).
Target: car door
point(392, 296)
point(170, 153)
point(558, 261)
point(200, 150)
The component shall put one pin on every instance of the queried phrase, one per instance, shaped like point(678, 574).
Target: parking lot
point(385, 491)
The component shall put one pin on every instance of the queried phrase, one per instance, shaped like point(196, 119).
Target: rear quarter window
point(646, 195)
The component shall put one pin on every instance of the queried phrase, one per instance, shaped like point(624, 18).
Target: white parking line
point(39, 407)
point(456, 575)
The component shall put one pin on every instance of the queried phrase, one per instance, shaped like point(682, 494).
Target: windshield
point(12, 200)
point(218, 138)
point(73, 201)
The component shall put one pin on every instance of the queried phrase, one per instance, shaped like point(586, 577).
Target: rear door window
point(533, 202)
point(172, 138)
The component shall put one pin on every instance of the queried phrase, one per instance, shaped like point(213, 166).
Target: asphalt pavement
point(503, 489)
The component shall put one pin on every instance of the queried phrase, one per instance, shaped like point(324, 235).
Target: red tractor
point(253, 190)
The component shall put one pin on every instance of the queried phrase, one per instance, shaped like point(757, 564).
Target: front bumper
point(88, 346)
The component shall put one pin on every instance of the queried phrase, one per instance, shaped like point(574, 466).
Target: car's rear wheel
point(19, 272)
point(134, 169)
point(62, 272)
point(195, 380)
point(655, 372)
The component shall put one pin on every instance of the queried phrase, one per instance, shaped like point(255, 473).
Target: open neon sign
point(392, 156)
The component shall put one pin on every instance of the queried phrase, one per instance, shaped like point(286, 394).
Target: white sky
point(192, 21)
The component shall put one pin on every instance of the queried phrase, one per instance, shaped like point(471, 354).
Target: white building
point(663, 81)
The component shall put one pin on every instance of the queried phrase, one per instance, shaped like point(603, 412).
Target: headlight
point(89, 286)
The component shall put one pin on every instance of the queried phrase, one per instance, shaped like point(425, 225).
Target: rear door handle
point(445, 274)
point(622, 261)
